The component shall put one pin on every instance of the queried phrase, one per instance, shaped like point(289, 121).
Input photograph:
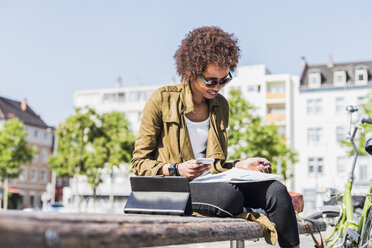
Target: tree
point(248, 137)
point(119, 138)
point(119, 143)
point(14, 151)
point(89, 142)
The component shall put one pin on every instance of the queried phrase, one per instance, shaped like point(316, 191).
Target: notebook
point(236, 175)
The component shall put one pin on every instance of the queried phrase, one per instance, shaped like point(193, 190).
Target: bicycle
point(347, 232)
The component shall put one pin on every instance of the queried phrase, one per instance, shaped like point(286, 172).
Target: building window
point(315, 166)
point(340, 133)
point(32, 201)
point(28, 132)
point(44, 155)
point(276, 110)
point(137, 96)
point(36, 134)
point(361, 76)
point(314, 80)
point(109, 97)
point(310, 198)
point(121, 97)
point(339, 78)
point(33, 175)
point(341, 165)
point(276, 88)
point(43, 176)
point(23, 175)
point(251, 88)
point(311, 166)
point(314, 106)
point(314, 135)
point(340, 105)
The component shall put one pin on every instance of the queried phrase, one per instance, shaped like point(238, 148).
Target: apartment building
point(320, 125)
point(28, 188)
point(128, 100)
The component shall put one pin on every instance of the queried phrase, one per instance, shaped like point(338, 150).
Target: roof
point(326, 73)
point(12, 109)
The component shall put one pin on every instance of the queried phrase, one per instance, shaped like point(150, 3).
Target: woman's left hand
point(255, 164)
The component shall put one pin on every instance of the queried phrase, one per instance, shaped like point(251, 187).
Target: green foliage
point(248, 137)
point(89, 142)
point(365, 111)
point(14, 149)
point(120, 141)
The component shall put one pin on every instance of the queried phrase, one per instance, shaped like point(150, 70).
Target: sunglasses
point(212, 83)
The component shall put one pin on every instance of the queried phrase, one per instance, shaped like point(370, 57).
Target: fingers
point(191, 169)
point(263, 165)
point(264, 168)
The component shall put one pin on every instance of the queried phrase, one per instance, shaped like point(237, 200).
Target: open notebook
point(236, 175)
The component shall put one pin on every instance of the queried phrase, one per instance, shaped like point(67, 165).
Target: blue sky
point(49, 49)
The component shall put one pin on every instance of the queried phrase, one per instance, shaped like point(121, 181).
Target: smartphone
point(205, 160)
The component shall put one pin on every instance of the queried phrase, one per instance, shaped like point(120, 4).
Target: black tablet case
point(159, 195)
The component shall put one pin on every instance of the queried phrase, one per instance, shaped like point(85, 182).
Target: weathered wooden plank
point(42, 229)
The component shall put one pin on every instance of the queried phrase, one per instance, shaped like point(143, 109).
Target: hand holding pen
point(262, 167)
point(255, 164)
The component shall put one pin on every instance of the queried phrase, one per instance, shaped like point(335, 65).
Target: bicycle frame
point(367, 205)
point(346, 219)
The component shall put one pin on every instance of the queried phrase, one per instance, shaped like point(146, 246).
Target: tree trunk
point(1, 195)
point(112, 192)
point(76, 192)
point(6, 193)
point(94, 188)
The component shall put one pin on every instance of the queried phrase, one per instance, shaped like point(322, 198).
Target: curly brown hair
point(203, 46)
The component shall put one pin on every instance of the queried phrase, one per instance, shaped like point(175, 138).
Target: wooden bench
point(48, 229)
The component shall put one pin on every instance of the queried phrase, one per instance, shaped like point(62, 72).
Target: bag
point(298, 201)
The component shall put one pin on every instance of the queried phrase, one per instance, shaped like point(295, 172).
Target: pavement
point(305, 242)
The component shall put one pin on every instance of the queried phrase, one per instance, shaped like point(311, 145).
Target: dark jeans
point(224, 200)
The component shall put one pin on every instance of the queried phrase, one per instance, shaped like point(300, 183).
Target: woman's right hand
point(191, 169)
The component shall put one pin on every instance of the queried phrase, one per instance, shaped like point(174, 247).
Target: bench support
point(236, 243)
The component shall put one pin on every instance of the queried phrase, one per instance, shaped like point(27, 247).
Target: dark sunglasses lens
point(211, 83)
point(225, 81)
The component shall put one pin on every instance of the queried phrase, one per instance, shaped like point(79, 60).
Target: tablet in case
point(159, 195)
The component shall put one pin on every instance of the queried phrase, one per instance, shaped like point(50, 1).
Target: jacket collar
point(188, 103)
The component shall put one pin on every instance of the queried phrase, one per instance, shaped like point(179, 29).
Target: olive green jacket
point(163, 137)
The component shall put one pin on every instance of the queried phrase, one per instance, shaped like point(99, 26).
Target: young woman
point(187, 121)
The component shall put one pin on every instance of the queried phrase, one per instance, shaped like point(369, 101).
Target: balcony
point(275, 118)
point(270, 95)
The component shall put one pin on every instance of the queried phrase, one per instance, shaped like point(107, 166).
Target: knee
point(233, 200)
point(278, 193)
point(277, 188)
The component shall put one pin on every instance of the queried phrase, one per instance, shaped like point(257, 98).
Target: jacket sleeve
point(143, 162)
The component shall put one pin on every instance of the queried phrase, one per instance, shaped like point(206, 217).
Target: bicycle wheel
point(330, 217)
point(367, 235)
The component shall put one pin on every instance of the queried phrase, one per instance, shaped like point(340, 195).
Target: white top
point(198, 132)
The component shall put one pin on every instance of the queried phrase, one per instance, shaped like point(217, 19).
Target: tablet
point(159, 195)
